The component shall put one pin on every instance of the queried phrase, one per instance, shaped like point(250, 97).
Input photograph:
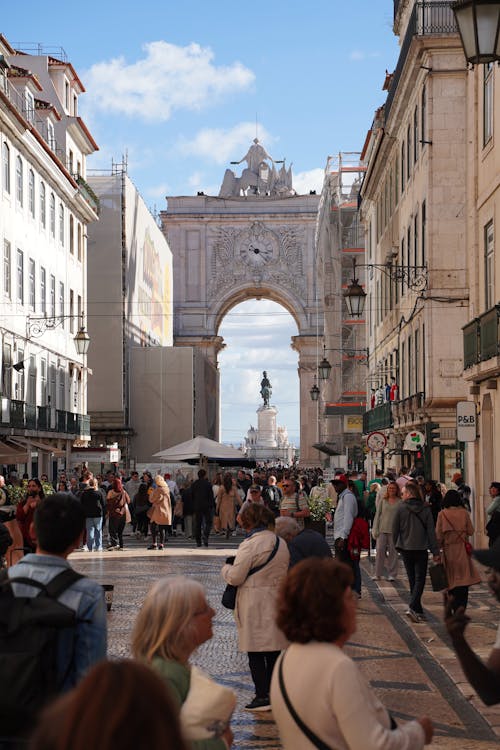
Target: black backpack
point(271, 495)
point(29, 629)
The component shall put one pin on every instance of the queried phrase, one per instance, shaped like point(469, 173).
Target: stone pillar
point(310, 411)
point(209, 345)
point(266, 434)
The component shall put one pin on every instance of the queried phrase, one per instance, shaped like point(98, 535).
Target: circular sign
point(376, 441)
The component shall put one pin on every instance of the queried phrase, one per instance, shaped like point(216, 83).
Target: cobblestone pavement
point(410, 666)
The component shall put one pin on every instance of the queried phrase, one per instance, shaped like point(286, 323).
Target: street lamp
point(324, 368)
point(314, 392)
point(36, 326)
point(479, 26)
point(414, 277)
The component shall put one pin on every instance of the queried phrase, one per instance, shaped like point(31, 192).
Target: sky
point(181, 89)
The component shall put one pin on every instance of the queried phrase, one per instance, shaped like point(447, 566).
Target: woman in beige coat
point(255, 611)
point(160, 514)
point(453, 529)
point(227, 501)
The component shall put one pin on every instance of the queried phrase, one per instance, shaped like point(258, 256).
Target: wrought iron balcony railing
point(481, 338)
point(19, 414)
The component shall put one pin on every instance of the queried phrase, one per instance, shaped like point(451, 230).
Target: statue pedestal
point(266, 433)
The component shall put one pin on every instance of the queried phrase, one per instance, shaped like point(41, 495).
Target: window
point(408, 152)
point(403, 151)
point(19, 180)
point(423, 222)
point(487, 102)
point(32, 284)
point(43, 290)
point(29, 105)
point(415, 239)
point(7, 370)
point(415, 134)
point(43, 381)
point(411, 368)
point(19, 381)
point(61, 224)
point(79, 309)
point(31, 192)
point(51, 136)
point(396, 180)
point(423, 114)
point(31, 395)
point(43, 207)
point(71, 311)
point(61, 299)
point(71, 235)
point(70, 162)
point(6, 167)
point(6, 269)
point(52, 296)
point(417, 361)
point(66, 95)
point(20, 276)
point(52, 210)
point(75, 105)
point(489, 269)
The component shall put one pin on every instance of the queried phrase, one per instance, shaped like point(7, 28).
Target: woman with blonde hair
point(173, 621)
point(382, 531)
point(160, 514)
point(227, 502)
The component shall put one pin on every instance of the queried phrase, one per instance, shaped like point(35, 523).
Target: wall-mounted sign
point(414, 441)
point(376, 441)
point(466, 421)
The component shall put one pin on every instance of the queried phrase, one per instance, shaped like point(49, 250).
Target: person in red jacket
point(25, 513)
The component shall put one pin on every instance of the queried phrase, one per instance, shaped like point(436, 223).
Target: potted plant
point(319, 505)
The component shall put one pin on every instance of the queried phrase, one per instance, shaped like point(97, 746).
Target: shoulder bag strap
point(313, 738)
point(461, 534)
point(61, 582)
point(259, 567)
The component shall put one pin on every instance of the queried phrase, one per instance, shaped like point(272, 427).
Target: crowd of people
point(294, 608)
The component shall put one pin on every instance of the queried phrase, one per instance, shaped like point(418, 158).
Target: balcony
point(23, 416)
point(379, 418)
point(427, 19)
point(407, 407)
point(482, 338)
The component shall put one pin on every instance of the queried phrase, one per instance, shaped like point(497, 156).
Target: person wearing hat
point(484, 677)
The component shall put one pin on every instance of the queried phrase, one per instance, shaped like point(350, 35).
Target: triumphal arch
point(253, 240)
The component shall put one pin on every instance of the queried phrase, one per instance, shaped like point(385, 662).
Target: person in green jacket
point(174, 620)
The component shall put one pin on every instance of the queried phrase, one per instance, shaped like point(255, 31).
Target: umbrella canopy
point(201, 447)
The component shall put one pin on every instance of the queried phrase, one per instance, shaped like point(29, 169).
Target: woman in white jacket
point(255, 611)
point(319, 698)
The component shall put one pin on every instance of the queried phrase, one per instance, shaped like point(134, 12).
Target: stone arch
point(219, 308)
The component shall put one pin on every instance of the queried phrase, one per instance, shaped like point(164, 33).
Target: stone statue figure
point(259, 177)
point(265, 389)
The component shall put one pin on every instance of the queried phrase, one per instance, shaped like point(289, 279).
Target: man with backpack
point(52, 619)
point(272, 495)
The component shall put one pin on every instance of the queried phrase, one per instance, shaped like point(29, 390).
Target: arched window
point(19, 180)
point(6, 167)
point(31, 191)
point(43, 209)
point(61, 224)
point(52, 210)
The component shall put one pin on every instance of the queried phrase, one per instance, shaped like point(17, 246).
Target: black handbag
point(438, 576)
point(229, 595)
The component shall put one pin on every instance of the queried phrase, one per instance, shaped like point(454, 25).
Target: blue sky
point(180, 86)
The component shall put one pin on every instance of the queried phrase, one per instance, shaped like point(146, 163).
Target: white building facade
point(45, 207)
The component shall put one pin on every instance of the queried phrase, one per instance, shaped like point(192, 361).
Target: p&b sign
point(466, 421)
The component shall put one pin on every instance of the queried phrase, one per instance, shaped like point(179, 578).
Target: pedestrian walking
point(94, 508)
point(255, 610)
point(116, 500)
point(203, 501)
point(453, 529)
point(414, 533)
point(387, 555)
point(226, 504)
point(160, 513)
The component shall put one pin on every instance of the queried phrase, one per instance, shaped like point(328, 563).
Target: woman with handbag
point(255, 610)
point(173, 621)
point(414, 533)
point(319, 697)
point(453, 529)
point(160, 513)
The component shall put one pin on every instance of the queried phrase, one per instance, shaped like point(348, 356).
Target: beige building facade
point(415, 214)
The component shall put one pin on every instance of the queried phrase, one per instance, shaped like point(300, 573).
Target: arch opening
point(257, 334)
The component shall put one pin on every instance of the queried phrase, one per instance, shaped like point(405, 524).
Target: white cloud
point(303, 182)
point(221, 145)
point(167, 78)
point(158, 191)
point(357, 55)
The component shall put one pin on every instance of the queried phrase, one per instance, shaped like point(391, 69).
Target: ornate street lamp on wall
point(413, 277)
point(314, 392)
point(479, 26)
point(37, 325)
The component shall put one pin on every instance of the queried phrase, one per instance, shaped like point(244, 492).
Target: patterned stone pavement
point(410, 666)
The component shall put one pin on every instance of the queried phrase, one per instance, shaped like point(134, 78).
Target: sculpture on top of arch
point(259, 178)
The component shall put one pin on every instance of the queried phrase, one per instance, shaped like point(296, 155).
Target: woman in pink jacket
point(160, 514)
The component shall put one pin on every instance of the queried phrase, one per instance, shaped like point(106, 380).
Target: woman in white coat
point(255, 611)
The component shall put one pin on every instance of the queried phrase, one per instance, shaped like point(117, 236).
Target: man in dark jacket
point(301, 543)
point(203, 501)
